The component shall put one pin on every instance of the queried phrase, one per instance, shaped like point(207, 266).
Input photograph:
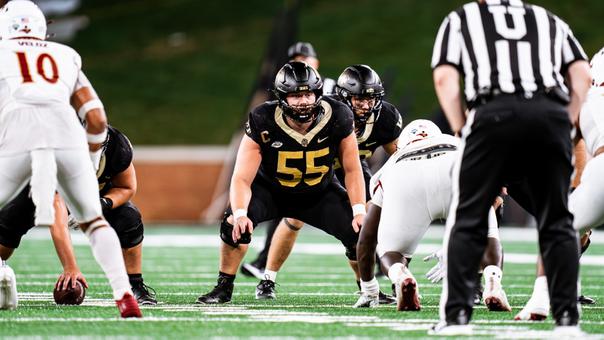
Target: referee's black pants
point(512, 138)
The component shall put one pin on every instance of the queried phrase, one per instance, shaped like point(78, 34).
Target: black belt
point(427, 153)
point(554, 93)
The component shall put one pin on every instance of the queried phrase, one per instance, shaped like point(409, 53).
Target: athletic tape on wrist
point(358, 209)
point(239, 213)
point(89, 105)
point(96, 138)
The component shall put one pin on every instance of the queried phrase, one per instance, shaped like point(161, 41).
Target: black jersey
point(294, 162)
point(116, 158)
point(380, 130)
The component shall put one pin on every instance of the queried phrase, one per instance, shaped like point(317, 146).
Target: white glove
point(72, 223)
point(436, 273)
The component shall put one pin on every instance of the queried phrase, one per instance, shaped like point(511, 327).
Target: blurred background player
point(376, 123)
point(305, 52)
point(586, 202)
point(117, 186)
point(284, 167)
point(43, 141)
point(410, 191)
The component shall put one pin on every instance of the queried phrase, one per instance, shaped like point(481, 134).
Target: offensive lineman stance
point(376, 123)
point(284, 167)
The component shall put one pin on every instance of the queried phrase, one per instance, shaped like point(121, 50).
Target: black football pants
point(512, 138)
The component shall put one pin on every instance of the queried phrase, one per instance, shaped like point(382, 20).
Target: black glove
point(106, 204)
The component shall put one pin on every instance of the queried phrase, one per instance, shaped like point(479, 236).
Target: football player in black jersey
point(376, 123)
point(117, 186)
point(299, 51)
point(284, 167)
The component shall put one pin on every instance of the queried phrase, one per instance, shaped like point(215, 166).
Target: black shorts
point(328, 209)
point(16, 219)
point(128, 224)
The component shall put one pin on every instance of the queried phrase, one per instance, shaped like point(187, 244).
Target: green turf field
point(314, 295)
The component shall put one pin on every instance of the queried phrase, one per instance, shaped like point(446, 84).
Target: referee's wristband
point(239, 213)
point(358, 209)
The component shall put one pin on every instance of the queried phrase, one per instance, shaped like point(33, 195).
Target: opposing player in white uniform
point(43, 142)
point(409, 192)
point(586, 202)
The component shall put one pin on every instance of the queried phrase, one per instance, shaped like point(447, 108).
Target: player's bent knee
point(131, 237)
point(351, 253)
point(292, 225)
point(226, 232)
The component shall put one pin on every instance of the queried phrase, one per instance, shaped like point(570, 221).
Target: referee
point(525, 77)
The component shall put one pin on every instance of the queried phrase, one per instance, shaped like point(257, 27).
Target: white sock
point(270, 275)
point(108, 254)
point(370, 287)
point(396, 271)
point(541, 285)
point(492, 271)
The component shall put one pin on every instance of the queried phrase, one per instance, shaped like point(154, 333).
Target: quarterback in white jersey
point(411, 190)
point(586, 202)
point(42, 141)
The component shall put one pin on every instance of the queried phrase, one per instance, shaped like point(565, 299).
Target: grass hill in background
point(181, 71)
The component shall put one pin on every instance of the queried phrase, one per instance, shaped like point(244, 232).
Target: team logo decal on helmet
point(417, 130)
point(22, 19)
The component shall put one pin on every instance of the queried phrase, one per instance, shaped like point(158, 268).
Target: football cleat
point(407, 292)
point(586, 300)
point(386, 299)
point(536, 309)
point(265, 290)
point(8, 287)
point(444, 329)
point(494, 296)
point(128, 307)
point(253, 269)
point(221, 293)
point(367, 301)
point(144, 294)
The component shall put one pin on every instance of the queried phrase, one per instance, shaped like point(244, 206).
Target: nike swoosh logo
point(320, 140)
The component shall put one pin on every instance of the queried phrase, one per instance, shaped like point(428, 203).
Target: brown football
point(70, 296)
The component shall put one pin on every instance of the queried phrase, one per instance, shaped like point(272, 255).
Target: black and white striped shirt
point(506, 45)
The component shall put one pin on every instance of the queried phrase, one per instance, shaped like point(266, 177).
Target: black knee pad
point(226, 234)
point(351, 253)
point(132, 237)
point(127, 222)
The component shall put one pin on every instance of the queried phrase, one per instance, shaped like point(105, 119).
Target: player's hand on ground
point(241, 225)
point(436, 273)
point(69, 278)
point(357, 222)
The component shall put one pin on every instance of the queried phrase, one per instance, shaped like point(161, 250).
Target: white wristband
point(358, 209)
point(239, 213)
point(96, 138)
point(88, 106)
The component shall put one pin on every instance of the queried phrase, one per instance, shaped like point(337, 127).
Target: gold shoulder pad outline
point(306, 138)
